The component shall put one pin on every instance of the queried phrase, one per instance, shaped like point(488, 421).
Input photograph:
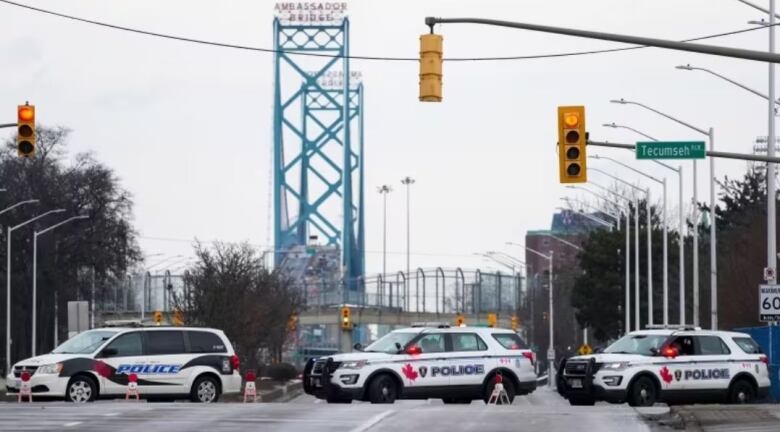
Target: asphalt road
point(542, 411)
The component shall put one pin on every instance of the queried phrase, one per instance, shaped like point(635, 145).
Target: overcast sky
point(187, 128)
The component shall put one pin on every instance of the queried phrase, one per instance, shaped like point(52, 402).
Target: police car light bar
point(672, 326)
point(431, 324)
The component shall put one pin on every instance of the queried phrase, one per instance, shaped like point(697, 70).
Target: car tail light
point(235, 362)
point(764, 359)
point(530, 356)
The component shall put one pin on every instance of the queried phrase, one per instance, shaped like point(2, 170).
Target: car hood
point(357, 356)
point(610, 358)
point(49, 359)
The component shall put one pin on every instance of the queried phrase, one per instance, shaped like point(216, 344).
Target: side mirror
point(358, 347)
point(413, 350)
point(109, 352)
point(598, 350)
point(654, 351)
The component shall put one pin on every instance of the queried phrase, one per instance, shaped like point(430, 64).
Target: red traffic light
point(26, 113)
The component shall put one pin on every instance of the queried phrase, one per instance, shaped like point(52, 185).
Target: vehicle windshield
point(85, 343)
point(641, 344)
point(387, 344)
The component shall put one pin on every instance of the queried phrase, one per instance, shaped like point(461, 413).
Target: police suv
point(673, 365)
point(456, 364)
point(196, 363)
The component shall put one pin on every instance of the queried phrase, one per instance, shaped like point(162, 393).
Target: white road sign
point(769, 303)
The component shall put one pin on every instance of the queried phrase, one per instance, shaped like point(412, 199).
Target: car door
point(166, 353)
point(711, 368)
point(117, 360)
point(428, 368)
point(672, 371)
point(470, 360)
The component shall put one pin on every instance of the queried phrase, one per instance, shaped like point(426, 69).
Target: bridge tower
point(318, 144)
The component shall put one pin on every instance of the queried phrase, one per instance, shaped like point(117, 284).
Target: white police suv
point(682, 365)
point(457, 364)
point(197, 363)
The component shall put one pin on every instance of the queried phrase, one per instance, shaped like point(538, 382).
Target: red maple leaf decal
point(102, 369)
point(409, 372)
point(665, 375)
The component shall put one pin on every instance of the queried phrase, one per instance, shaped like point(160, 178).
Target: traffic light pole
point(762, 56)
point(7, 125)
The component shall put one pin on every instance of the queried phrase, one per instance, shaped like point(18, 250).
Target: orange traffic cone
point(25, 388)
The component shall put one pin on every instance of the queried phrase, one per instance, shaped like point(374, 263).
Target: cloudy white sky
point(187, 128)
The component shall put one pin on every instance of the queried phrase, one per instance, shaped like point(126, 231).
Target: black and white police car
point(172, 362)
point(457, 364)
point(672, 365)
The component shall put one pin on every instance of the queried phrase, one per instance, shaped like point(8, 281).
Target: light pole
point(637, 315)
point(384, 190)
point(627, 212)
point(599, 221)
point(35, 277)
point(10, 231)
point(551, 349)
point(681, 227)
point(615, 216)
point(713, 235)
point(408, 182)
point(662, 182)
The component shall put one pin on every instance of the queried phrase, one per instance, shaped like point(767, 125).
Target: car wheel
point(205, 390)
point(509, 388)
point(81, 389)
point(383, 389)
point(742, 392)
point(582, 401)
point(643, 392)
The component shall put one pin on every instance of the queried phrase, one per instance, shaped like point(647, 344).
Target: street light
point(627, 212)
point(649, 252)
point(551, 349)
point(598, 220)
point(10, 231)
point(637, 315)
point(408, 182)
point(384, 190)
point(771, 147)
point(35, 279)
point(713, 235)
point(681, 228)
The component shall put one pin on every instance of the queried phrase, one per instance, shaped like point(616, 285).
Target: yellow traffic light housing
point(25, 130)
point(178, 318)
point(492, 319)
point(431, 59)
point(460, 320)
point(515, 323)
point(346, 318)
point(572, 140)
point(158, 317)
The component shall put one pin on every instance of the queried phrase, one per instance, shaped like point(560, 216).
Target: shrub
point(281, 372)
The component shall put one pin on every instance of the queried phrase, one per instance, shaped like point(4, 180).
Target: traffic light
point(431, 54)
point(460, 320)
point(178, 318)
point(25, 130)
point(158, 317)
point(491, 319)
point(572, 140)
point(292, 323)
point(346, 318)
point(515, 323)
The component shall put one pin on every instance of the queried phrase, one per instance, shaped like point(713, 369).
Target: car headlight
point(615, 366)
point(49, 369)
point(353, 364)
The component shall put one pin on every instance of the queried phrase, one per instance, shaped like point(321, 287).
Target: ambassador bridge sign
point(311, 12)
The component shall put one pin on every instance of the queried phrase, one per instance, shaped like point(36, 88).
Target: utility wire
point(354, 57)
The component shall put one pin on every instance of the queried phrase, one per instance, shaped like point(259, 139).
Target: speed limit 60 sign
point(769, 302)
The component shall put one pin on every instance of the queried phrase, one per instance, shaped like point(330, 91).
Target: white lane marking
point(110, 414)
point(368, 424)
point(71, 424)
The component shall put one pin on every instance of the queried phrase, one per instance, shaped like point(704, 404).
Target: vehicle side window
point(467, 342)
point(165, 342)
point(711, 345)
point(748, 345)
point(127, 345)
point(510, 341)
point(205, 342)
point(684, 345)
point(432, 343)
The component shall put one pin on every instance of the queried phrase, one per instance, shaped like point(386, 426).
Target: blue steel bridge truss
point(318, 146)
